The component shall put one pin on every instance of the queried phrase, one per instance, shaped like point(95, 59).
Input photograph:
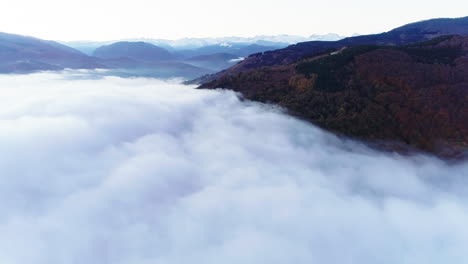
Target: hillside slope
point(415, 94)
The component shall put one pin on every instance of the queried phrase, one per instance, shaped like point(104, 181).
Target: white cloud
point(144, 171)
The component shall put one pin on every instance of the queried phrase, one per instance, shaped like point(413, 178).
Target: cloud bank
point(138, 171)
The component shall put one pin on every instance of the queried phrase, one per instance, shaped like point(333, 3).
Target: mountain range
point(400, 90)
point(88, 47)
point(23, 54)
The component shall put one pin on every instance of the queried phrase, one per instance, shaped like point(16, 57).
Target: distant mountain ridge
point(21, 54)
point(193, 43)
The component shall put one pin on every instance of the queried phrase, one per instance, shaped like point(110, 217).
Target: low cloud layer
point(139, 171)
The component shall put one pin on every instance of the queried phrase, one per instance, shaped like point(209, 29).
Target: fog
point(101, 170)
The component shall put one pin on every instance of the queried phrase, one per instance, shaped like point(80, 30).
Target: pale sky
point(119, 19)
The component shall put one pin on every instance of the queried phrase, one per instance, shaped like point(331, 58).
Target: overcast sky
point(117, 19)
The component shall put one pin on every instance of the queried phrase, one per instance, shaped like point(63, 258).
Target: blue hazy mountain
point(136, 50)
point(25, 54)
point(145, 59)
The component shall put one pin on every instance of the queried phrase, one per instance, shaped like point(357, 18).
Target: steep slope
point(135, 50)
point(25, 54)
point(415, 94)
point(407, 34)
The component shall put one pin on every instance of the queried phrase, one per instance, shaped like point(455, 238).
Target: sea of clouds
point(137, 171)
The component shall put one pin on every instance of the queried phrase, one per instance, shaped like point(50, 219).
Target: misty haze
point(209, 179)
